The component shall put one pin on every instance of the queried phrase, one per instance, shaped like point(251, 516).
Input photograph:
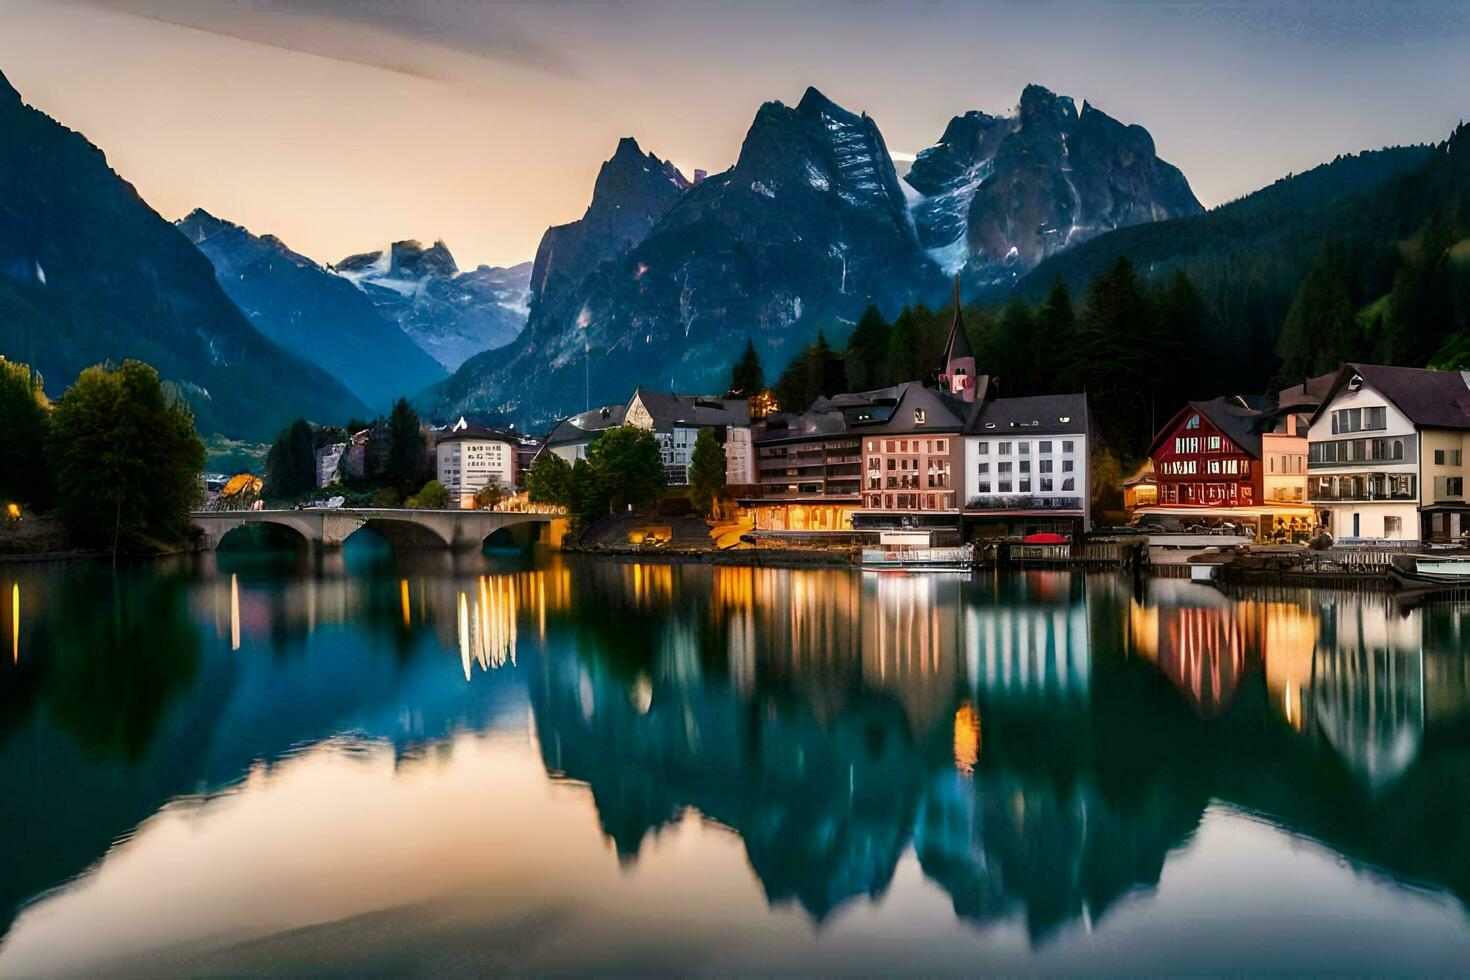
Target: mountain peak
point(8, 94)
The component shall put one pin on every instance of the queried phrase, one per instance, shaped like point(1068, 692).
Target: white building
point(739, 456)
point(675, 421)
point(1026, 465)
point(574, 434)
point(1385, 458)
point(469, 458)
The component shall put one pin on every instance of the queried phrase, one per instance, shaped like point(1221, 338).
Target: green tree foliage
point(549, 480)
point(126, 460)
point(867, 352)
point(628, 464)
point(405, 446)
point(489, 496)
point(816, 371)
point(290, 466)
point(432, 496)
point(24, 414)
point(1321, 328)
point(587, 498)
point(747, 378)
point(707, 470)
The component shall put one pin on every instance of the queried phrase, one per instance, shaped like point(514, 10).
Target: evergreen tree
point(903, 349)
point(290, 466)
point(126, 459)
point(825, 370)
point(706, 470)
point(24, 414)
point(747, 379)
point(1320, 330)
point(867, 352)
point(405, 446)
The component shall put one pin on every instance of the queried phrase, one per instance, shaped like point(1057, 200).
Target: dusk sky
point(340, 125)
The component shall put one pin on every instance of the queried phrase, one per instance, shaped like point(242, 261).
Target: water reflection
point(1039, 745)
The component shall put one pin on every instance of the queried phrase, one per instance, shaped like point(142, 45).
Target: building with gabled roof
point(1387, 455)
point(1027, 465)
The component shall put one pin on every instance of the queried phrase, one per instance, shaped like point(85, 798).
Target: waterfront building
point(1026, 465)
point(1387, 455)
point(1233, 459)
point(912, 452)
point(808, 469)
point(469, 458)
point(675, 421)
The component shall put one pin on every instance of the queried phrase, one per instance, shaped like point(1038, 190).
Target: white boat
point(912, 551)
point(1432, 569)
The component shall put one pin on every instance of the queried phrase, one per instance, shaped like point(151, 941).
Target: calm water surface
point(249, 764)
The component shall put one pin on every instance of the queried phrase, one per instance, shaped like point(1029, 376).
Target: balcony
point(1363, 488)
point(1022, 501)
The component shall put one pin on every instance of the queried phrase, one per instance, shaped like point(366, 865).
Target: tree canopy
point(290, 466)
point(24, 415)
point(706, 470)
point(126, 459)
point(747, 378)
point(405, 446)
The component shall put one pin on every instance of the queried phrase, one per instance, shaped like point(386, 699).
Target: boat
point(913, 551)
point(1421, 570)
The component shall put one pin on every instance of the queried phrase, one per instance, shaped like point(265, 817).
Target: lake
point(251, 763)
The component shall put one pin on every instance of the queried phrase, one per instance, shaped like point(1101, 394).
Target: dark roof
point(479, 432)
point(584, 427)
point(942, 412)
point(958, 344)
point(1435, 399)
point(882, 410)
point(1306, 396)
point(669, 409)
point(1040, 415)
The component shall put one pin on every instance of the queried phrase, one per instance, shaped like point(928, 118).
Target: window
point(1025, 466)
point(1025, 484)
point(1004, 449)
point(1044, 466)
point(1193, 422)
point(918, 416)
point(1069, 484)
point(941, 445)
point(1066, 445)
point(1044, 446)
point(1214, 442)
point(1454, 486)
point(984, 468)
point(1045, 482)
point(1023, 448)
point(984, 486)
point(1067, 466)
point(1005, 470)
point(1393, 526)
point(983, 449)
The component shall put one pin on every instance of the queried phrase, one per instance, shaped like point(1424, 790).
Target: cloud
point(324, 28)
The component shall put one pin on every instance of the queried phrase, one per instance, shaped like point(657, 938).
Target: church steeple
point(959, 360)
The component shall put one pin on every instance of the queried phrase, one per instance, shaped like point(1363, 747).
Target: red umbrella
point(1046, 538)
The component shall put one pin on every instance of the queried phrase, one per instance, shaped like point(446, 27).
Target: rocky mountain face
point(451, 315)
point(1001, 193)
point(90, 273)
point(312, 313)
point(807, 228)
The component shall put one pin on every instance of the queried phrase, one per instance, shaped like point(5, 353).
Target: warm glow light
point(403, 600)
point(234, 612)
point(12, 511)
point(966, 739)
point(15, 621)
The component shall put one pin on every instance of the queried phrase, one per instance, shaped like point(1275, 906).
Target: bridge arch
point(404, 533)
point(235, 534)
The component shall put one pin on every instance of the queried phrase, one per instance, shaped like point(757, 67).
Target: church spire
point(959, 359)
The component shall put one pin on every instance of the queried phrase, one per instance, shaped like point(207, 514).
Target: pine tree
point(707, 470)
point(24, 415)
point(1320, 330)
point(405, 446)
point(867, 351)
point(290, 466)
point(747, 379)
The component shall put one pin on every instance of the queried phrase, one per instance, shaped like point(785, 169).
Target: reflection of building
point(1199, 639)
point(1032, 649)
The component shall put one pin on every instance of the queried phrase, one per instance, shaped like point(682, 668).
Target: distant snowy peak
point(452, 315)
point(997, 194)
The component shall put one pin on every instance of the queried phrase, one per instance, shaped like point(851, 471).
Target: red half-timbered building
point(1208, 456)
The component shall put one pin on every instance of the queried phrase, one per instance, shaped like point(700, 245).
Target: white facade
point(467, 464)
point(739, 456)
point(1363, 468)
point(1050, 469)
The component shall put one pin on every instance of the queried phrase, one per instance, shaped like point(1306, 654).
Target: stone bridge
point(324, 527)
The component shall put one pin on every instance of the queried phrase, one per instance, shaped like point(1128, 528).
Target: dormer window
point(918, 416)
point(1065, 419)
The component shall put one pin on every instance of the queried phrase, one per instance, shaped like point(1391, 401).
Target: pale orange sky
point(340, 125)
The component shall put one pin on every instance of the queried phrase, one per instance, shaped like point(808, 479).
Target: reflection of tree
point(118, 650)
